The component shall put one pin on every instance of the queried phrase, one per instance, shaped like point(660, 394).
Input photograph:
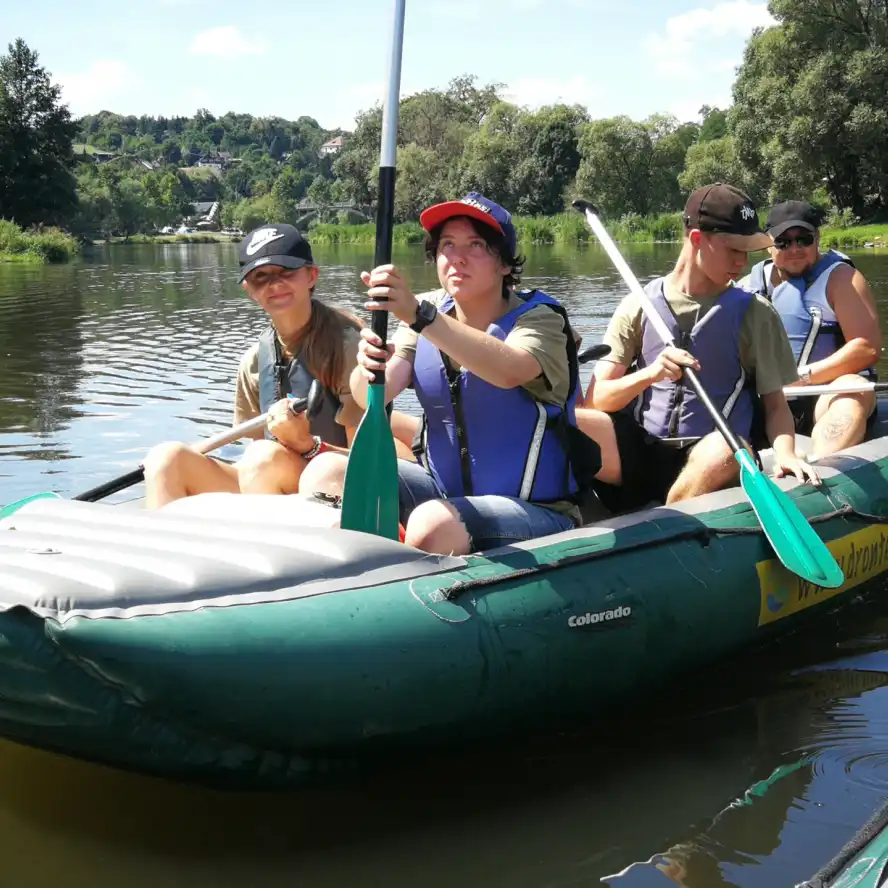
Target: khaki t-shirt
point(765, 351)
point(539, 331)
point(246, 395)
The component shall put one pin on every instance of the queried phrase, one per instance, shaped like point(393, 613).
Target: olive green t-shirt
point(246, 395)
point(765, 351)
point(539, 331)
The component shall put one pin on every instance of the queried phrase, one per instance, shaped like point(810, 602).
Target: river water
point(754, 775)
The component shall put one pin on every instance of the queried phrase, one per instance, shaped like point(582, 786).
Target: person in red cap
point(668, 446)
point(499, 456)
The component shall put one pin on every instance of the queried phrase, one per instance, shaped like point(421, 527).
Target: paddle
point(794, 540)
point(845, 388)
point(593, 353)
point(312, 404)
point(370, 490)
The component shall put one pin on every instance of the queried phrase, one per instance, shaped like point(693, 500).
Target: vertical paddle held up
point(793, 539)
point(370, 491)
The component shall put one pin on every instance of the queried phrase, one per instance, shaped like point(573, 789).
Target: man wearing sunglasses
point(830, 317)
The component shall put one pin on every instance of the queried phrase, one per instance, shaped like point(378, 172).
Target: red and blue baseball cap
point(475, 206)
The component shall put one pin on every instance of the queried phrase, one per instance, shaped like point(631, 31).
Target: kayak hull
point(260, 653)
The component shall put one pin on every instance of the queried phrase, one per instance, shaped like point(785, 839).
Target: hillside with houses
point(216, 173)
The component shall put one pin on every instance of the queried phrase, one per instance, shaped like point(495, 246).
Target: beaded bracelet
point(318, 446)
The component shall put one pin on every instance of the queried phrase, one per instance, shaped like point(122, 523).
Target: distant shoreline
point(564, 229)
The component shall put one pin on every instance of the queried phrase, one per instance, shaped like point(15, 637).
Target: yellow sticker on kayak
point(862, 555)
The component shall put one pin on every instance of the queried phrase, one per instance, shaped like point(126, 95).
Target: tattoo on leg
point(836, 427)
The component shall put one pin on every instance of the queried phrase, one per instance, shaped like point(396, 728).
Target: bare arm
point(489, 358)
point(612, 388)
point(398, 375)
point(851, 299)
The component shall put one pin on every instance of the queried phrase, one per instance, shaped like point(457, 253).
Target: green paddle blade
point(794, 540)
point(370, 494)
point(12, 508)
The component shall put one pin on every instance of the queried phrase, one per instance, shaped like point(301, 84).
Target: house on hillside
point(333, 146)
point(220, 161)
point(206, 216)
point(94, 155)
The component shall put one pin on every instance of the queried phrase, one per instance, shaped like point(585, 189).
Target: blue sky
point(326, 58)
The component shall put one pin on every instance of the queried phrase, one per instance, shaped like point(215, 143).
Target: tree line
point(808, 119)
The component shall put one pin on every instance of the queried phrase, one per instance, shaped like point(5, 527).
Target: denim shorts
point(490, 521)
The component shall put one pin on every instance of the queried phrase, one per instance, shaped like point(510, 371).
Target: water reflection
point(749, 784)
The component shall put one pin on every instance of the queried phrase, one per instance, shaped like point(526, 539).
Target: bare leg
point(435, 526)
point(175, 470)
point(598, 426)
point(324, 474)
point(840, 420)
point(268, 467)
point(710, 466)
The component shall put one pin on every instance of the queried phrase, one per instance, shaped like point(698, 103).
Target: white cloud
point(537, 91)
point(225, 41)
point(711, 36)
point(181, 2)
point(99, 87)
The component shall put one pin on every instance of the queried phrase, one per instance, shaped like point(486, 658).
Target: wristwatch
point(426, 312)
point(805, 374)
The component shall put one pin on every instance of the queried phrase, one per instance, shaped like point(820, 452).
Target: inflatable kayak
point(250, 640)
point(862, 863)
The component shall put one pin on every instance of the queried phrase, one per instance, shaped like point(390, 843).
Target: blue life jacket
point(279, 377)
point(811, 324)
point(478, 439)
point(670, 409)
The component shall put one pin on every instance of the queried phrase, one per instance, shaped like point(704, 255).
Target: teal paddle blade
point(793, 539)
point(12, 508)
point(370, 493)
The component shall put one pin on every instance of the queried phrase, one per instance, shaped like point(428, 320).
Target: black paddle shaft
point(109, 487)
point(312, 404)
point(385, 213)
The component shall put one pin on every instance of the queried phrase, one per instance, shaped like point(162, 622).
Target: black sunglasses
point(803, 240)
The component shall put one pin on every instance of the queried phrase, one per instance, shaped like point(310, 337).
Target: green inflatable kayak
point(250, 641)
point(862, 863)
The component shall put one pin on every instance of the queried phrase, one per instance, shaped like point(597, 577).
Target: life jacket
point(811, 324)
point(279, 377)
point(670, 409)
point(478, 439)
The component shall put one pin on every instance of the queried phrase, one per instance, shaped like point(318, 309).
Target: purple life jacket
point(672, 409)
point(483, 440)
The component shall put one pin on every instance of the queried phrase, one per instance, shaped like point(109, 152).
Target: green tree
point(490, 155)
point(716, 160)
point(320, 194)
point(36, 132)
point(357, 166)
point(809, 103)
point(419, 182)
point(547, 142)
point(715, 124)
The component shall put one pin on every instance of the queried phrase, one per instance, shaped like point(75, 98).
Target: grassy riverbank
point(571, 228)
point(47, 245)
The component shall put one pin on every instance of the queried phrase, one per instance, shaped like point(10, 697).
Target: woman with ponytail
point(304, 341)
